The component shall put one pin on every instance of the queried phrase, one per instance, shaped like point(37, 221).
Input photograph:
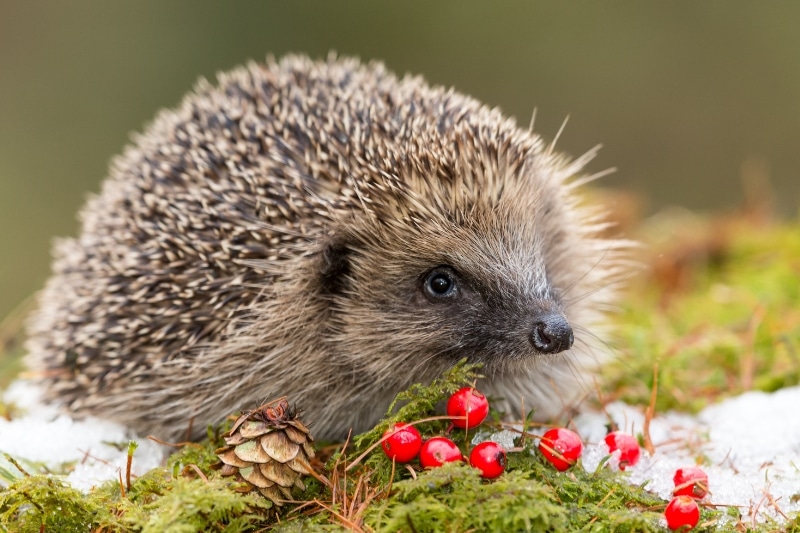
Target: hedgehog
point(327, 231)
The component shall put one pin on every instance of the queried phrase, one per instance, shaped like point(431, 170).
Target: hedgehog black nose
point(551, 334)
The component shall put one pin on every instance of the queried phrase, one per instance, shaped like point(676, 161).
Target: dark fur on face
point(326, 231)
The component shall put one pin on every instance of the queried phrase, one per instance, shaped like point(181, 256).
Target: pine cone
point(269, 449)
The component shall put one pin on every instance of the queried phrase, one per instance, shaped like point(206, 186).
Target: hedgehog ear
point(334, 265)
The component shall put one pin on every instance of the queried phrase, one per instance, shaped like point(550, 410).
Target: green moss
point(794, 525)
point(156, 503)
point(200, 454)
point(46, 503)
point(419, 401)
point(732, 325)
point(185, 505)
point(416, 403)
point(455, 498)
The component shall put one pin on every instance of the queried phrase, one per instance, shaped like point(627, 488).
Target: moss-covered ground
point(715, 310)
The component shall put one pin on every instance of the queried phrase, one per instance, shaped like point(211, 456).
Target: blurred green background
point(683, 95)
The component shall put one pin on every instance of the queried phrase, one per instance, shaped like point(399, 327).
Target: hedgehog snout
point(551, 333)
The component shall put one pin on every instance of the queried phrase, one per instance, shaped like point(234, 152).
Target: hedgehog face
point(472, 287)
point(548, 330)
point(490, 323)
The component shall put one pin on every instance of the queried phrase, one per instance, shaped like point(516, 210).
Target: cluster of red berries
point(560, 446)
point(691, 484)
point(468, 407)
point(563, 447)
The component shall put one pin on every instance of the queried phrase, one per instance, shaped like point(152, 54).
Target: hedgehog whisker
point(600, 342)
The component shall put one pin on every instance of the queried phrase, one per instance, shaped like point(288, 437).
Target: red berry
point(690, 481)
point(488, 457)
point(681, 512)
point(561, 447)
point(404, 443)
point(438, 451)
point(627, 446)
point(468, 402)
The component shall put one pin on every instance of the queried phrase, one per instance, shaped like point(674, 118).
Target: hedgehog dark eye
point(440, 283)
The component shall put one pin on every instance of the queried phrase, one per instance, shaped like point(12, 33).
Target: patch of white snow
point(43, 435)
point(748, 445)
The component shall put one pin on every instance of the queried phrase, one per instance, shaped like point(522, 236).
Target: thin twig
point(650, 413)
point(121, 485)
point(16, 465)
